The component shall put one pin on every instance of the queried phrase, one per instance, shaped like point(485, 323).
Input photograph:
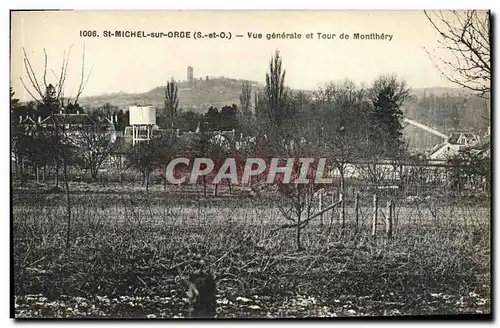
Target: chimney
point(20, 119)
point(77, 112)
point(39, 119)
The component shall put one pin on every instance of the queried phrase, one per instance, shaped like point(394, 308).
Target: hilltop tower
point(190, 75)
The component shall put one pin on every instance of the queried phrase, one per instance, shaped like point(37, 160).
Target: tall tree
point(245, 116)
point(466, 36)
point(261, 116)
point(275, 91)
point(121, 120)
point(387, 95)
point(50, 103)
point(213, 118)
point(228, 117)
point(343, 109)
point(245, 98)
point(171, 101)
point(291, 135)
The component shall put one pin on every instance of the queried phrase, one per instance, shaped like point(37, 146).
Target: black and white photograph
point(250, 164)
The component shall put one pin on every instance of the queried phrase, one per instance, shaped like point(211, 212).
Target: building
point(75, 125)
point(142, 119)
point(190, 76)
point(455, 143)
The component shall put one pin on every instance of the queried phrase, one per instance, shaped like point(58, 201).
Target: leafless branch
point(306, 221)
point(31, 74)
point(29, 92)
point(45, 69)
point(83, 80)
point(466, 35)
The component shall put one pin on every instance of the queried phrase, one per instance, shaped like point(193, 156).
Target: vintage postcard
point(250, 164)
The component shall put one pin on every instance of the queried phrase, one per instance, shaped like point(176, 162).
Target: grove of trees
point(345, 123)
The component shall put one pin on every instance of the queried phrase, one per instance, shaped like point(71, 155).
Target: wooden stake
point(356, 210)
point(388, 219)
point(320, 208)
point(375, 210)
point(342, 210)
point(394, 217)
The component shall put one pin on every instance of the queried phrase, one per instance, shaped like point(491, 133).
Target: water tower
point(142, 119)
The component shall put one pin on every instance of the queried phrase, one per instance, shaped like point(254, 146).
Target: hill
point(445, 109)
point(202, 94)
point(218, 92)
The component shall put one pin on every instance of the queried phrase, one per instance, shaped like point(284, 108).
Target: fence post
point(394, 216)
point(356, 209)
point(333, 210)
point(342, 209)
point(320, 207)
point(375, 210)
point(307, 206)
point(388, 219)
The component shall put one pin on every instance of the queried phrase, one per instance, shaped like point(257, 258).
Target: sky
point(135, 65)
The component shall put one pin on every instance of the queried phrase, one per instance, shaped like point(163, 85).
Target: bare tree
point(95, 144)
point(466, 35)
point(344, 108)
point(51, 96)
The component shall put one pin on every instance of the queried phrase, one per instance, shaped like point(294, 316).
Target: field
point(127, 250)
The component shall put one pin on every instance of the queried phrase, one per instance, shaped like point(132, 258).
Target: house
point(75, 124)
point(482, 149)
point(456, 142)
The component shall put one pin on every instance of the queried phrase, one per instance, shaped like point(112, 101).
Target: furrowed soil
point(127, 251)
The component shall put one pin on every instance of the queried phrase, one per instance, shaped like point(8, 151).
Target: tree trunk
point(21, 173)
point(342, 180)
point(68, 202)
point(320, 208)
point(375, 213)
point(388, 219)
point(93, 174)
point(165, 181)
point(356, 210)
point(204, 187)
point(299, 246)
point(215, 189)
point(57, 175)
point(16, 166)
point(342, 210)
point(146, 174)
point(230, 188)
